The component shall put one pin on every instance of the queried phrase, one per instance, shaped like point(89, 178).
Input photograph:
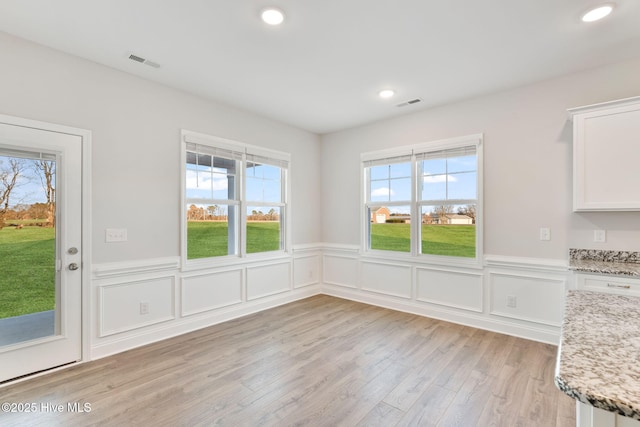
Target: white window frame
point(416, 203)
point(273, 157)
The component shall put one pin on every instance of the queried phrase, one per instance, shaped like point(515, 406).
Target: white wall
point(527, 164)
point(136, 143)
point(135, 176)
point(527, 185)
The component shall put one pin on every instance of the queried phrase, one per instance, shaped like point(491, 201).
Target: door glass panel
point(28, 277)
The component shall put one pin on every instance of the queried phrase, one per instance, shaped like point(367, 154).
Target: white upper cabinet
point(606, 156)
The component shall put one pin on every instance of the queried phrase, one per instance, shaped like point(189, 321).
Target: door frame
point(86, 269)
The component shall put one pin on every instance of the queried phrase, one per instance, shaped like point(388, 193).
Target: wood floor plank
point(429, 407)
point(507, 392)
point(538, 408)
point(407, 392)
point(469, 402)
point(494, 358)
point(318, 361)
point(454, 375)
point(382, 415)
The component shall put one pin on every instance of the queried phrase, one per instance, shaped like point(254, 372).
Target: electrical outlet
point(599, 236)
point(545, 234)
point(512, 301)
point(144, 307)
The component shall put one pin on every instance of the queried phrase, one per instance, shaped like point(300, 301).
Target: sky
point(28, 188)
point(263, 184)
point(441, 179)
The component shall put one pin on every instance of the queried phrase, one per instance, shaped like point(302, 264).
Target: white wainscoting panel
point(306, 270)
point(537, 298)
point(450, 288)
point(388, 279)
point(120, 309)
point(209, 291)
point(267, 280)
point(340, 270)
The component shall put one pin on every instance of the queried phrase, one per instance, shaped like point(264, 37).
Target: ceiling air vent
point(410, 102)
point(143, 61)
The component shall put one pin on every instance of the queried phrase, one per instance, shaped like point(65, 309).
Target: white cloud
point(204, 181)
point(384, 191)
point(434, 179)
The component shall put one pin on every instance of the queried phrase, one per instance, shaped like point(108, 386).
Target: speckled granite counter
point(621, 263)
point(599, 355)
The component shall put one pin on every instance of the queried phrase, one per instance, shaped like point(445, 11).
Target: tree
point(442, 212)
point(470, 211)
point(8, 179)
point(46, 170)
point(193, 213)
point(38, 210)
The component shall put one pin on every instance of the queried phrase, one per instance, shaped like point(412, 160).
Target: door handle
point(73, 266)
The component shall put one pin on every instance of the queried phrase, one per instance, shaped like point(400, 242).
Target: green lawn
point(209, 239)
point(206, 239)
point(450, 240)
point(263, 236)
point(27, 265)
point(391, 237)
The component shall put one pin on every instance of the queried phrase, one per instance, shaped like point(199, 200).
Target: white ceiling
point(322, 69)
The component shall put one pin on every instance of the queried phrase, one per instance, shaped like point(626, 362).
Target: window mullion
point(446, 178)
point(416, 221)
point(242, 235)
point(284, 215)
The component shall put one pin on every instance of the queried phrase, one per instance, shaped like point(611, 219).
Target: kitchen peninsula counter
point(599, 354)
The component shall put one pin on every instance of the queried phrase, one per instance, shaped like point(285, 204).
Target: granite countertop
point(599, 355)
point(623, 263)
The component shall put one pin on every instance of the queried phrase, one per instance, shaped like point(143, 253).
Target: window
point(234, 198)
point(265, 204)
point(389, 204)
point(448, 201)
point(424, 200)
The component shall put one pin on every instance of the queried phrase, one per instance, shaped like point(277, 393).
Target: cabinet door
point(607, 156)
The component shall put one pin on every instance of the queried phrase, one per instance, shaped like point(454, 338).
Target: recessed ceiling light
point(386, 93)
point(597, 13)
point(272, 16)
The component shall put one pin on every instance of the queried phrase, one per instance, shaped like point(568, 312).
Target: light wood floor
point(321, 361)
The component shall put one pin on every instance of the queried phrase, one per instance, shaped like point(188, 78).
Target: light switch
point(115, 235)
point(599, 236)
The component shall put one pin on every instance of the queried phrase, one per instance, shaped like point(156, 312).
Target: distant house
point(460, 219)
point(380, 216)
point(452, 219)
point(383, 215)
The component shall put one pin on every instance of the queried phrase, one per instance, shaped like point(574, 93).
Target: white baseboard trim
point(548, 335)
point(118, 344)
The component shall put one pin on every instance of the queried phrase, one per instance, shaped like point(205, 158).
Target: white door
point(40, 246)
